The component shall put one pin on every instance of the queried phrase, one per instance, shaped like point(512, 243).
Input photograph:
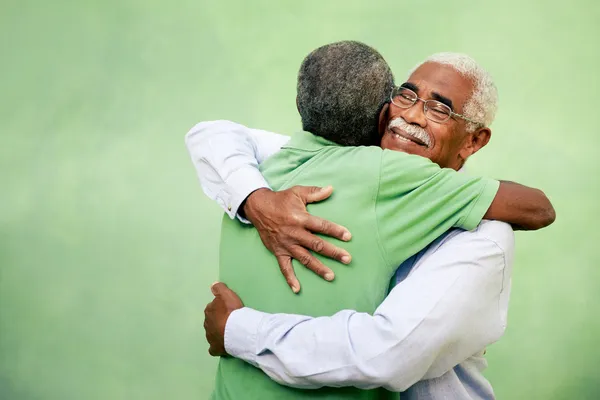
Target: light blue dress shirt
point(427, 338)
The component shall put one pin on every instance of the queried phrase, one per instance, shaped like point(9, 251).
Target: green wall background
point(108, 247)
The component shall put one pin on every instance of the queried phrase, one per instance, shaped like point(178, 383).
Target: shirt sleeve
point(226, 156)
point(418, 201)
point(444, 312)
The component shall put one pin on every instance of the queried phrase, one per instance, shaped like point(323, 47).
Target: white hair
point(483, 103)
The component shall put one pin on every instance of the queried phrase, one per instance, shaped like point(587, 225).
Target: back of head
point(342, 87)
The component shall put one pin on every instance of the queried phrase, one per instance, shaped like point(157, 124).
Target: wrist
point(238, 185)
point(242, 334)
point(248, 207)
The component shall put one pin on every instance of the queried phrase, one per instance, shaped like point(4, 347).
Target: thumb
point(313, 194)
point(218, 288)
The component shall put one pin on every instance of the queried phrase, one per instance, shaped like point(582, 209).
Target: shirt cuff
point(241, 334)
point(238, 186)
point(481, 205)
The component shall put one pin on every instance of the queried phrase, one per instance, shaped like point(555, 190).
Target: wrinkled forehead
point(433, 79)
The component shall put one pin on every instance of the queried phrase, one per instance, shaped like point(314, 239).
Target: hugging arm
point(446, 311)
point(226, 156)
point(521, 206)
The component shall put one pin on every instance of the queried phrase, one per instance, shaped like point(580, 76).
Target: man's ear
point(383, 119)
point(475, 141)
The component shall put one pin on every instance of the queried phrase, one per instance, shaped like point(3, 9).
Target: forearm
point(309, 353)
point(523, 207)
point(391, 349)
point(446, 311)
point(348, 349)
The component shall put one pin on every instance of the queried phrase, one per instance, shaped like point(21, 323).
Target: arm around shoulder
point(521, 206)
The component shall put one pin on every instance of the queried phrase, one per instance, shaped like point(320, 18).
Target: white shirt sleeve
point(446, 310)
point(226, 156)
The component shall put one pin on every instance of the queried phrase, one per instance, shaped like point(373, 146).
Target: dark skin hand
point(216, 314)
point(288, 230)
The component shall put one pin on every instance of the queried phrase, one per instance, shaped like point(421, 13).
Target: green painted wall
point(108, 247)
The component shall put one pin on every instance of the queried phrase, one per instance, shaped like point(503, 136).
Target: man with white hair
point(472, 91)
point(449, 301)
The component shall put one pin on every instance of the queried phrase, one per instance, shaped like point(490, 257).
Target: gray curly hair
point(342, 88)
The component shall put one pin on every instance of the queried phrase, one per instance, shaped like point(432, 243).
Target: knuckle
point(285, 269)
point(292, 219)
point(301, 218)
point(293, 236)
point(305, 259)
point(317, 245)
point(335, 253)
point(289, 232)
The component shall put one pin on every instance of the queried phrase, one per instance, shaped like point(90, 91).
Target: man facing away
point(394, 202)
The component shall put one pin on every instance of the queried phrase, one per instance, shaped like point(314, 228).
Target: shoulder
point(492, 241)
point(362, 151)
point(500, 233)
point(406, 159)
point(401, 172)
point(494, 232)
point(363, 162)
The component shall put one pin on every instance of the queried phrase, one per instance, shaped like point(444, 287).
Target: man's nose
point(415, 114)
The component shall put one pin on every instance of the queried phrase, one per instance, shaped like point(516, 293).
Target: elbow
point(399, 381)
point(400, 376)
point(549, 216)
point(545, 216)
point(198, 132)
point(191, 135)
point(188, 136)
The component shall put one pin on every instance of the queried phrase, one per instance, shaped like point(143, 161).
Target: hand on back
point(216, 314)
point(288, 230)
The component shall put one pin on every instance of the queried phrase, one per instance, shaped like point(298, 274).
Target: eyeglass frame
point(417, 98)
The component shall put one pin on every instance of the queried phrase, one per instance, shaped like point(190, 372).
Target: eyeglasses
point(433, 109)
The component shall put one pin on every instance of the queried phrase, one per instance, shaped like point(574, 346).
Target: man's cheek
point(386, 142)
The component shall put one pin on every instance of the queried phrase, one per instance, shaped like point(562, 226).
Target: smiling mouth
point(403, 135)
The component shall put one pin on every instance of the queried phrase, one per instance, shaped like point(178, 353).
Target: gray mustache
point(412, 130)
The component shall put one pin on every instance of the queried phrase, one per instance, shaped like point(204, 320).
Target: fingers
point(285, 265)
point(225, 295)
point(206, 329)
point(218, 288)
point(312, 263)
point(313, 194)
point(328, 228)
point(323, 247)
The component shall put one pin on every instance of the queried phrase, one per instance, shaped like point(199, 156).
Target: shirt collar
point(307, 141)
